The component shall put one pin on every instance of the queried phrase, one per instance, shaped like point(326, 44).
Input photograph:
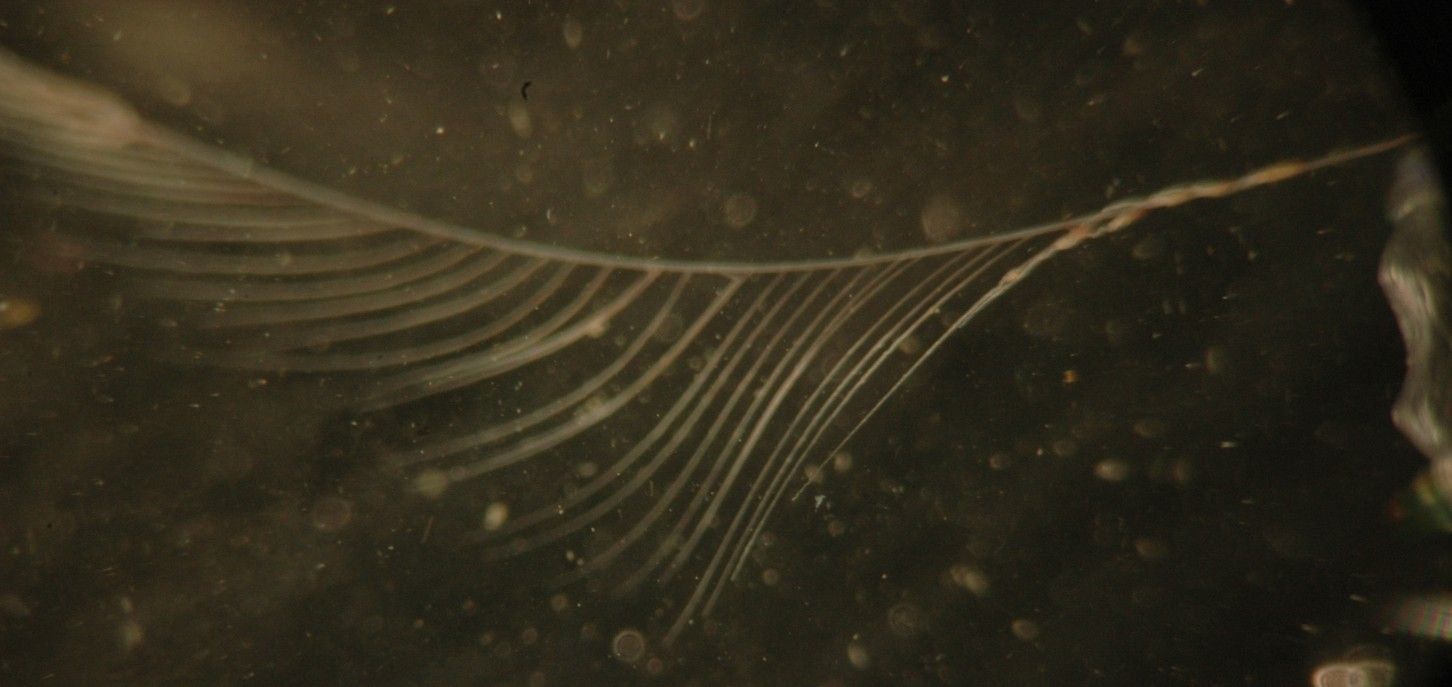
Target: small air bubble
point(740, 209)
point(331, 513)
point(688, 10)
point(628, 646)
point(906, 620)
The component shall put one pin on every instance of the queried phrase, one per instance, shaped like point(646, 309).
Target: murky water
point(701, 343)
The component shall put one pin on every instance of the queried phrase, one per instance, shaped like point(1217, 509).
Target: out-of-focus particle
point(857, 655)
point(495, 514)
point(17, 312)
point(574, 32)
point(1025, 629)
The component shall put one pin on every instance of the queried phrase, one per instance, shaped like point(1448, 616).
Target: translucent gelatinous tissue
point(1416, 274)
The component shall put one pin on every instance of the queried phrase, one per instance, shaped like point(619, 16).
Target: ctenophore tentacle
point(656, 411)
